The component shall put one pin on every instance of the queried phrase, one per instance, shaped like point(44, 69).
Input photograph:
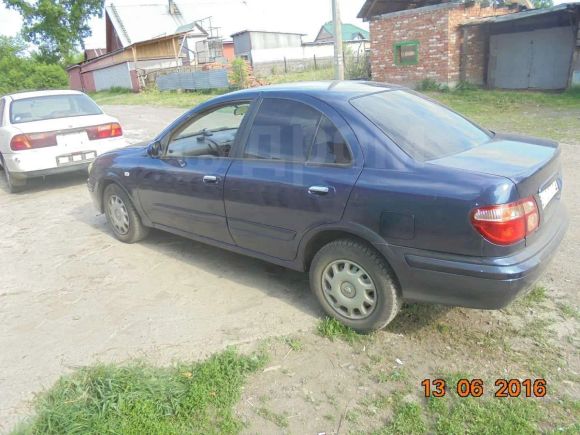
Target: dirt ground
point(71, 295)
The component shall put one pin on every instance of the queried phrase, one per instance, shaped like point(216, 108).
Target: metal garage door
point(539, 59)
point(113, 76)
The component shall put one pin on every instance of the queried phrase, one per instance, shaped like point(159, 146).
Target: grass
point(545, 114)
point(484, 416)
point(154, 98)
point(569, 311)
point(536, 296)
point(302, 76)
point(407, 419)
point(138, 398)
point(280, 420)
point(533, 300)
point(294, 343)
point(332, 329)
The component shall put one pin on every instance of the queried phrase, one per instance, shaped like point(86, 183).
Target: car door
point(295, 172)
point(183, 189)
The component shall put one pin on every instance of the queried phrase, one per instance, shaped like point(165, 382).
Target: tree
point(539, 4)
point(20, 72)
point(56, 27)
point(10, 47)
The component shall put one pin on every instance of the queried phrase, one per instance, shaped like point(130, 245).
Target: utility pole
point(338, 57)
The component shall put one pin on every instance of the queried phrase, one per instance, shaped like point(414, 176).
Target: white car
point(51, 132)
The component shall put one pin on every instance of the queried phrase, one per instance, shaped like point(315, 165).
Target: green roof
point(349, 31)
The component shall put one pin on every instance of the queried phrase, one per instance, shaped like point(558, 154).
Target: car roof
point(330, 89)
point(32, 94)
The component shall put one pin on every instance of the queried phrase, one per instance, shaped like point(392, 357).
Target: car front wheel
point(355, 285)
point(122, 216)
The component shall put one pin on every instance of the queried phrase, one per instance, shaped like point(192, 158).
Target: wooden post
point(175, 52)
point(285, 66)
point(315, 66)
point(338, 56)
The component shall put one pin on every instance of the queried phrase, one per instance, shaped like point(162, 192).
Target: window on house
point(406, 53)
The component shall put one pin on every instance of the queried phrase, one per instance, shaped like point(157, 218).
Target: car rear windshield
point(422, 128)
point(52, 107)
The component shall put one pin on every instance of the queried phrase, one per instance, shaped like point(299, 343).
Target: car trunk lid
point(532, 164)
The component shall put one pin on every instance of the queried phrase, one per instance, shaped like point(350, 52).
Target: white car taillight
point(29, 141)
point(506, 224)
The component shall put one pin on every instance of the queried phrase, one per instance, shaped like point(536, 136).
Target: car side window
point(329, 146)
point(282, 130)
point(211, 135)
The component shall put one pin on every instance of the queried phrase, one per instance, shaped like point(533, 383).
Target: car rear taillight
point(104, 131)
point(506, 224)
point(30, 141)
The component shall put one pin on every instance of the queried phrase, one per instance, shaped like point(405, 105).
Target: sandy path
point(71, 295)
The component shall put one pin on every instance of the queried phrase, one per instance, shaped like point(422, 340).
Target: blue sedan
point(380, 193)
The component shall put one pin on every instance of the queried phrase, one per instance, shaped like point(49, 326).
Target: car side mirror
point(154, 149)
point(240, 110)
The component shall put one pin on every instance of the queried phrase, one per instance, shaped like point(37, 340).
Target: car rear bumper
point(43, 161)
point(76, 167)
point(486, 283)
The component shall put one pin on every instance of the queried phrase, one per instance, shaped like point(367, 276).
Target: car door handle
point(318, 190)
point(210, 179)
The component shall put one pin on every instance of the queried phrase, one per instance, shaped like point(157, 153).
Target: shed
point(142, 38)
point(535, 49)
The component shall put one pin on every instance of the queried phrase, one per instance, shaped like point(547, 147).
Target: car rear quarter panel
point(428, 208)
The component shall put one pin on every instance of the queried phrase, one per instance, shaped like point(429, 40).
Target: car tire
point(355, 285)
point(122, 215)
point(14, 185)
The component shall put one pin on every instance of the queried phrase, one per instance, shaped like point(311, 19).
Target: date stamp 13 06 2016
point(475, 387)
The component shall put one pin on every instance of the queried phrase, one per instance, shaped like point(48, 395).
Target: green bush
point(239, 75)
point(429, 85)
point(357, 66)
point(19, 72)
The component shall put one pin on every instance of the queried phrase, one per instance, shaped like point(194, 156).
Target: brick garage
point(428, 42)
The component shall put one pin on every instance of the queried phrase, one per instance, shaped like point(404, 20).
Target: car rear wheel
point(355, 285)
point(122, 216)
point(14, 184)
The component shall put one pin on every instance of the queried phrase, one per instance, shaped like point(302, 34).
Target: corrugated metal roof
point(137, 21)
point(266, 31)
point(524, 14)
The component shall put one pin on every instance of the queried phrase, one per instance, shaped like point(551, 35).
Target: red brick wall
point(469, 55)
point(437, 29)
point(89, 82)
point(74, 79)
point(428, 27)
point(473, 54)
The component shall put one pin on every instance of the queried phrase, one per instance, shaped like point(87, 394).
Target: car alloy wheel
point(349, 289)
point(118, 214)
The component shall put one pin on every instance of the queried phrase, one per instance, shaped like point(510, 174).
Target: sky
point(301, 16)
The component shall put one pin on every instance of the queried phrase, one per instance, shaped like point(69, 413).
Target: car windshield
point(422, 128)
point(52, 107)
